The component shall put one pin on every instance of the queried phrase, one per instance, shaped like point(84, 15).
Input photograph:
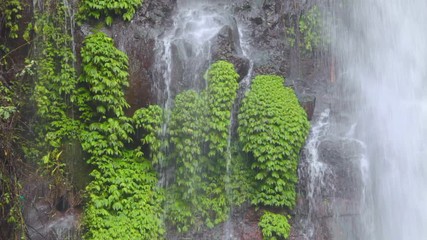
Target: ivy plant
point(311, 29)
point(7, 108)
point(55, 82)
point(107, 9)
point(199, 132)
point(10, 13)
point(150, 120)
point(105, 75)
point(221, 92)
point(123, 198)
point(274, 226)
point(273, 128)
point(10, 186)
point(124, 201)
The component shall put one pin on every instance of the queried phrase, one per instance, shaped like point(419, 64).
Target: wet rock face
point(343, 156)
point(263, 21)
point(332, 212)
point(243, 225)
point(226, 46)
point(50, 213)
point(308, 103)
point(138, 40)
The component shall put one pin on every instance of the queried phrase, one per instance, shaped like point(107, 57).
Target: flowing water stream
point(382, 46)
point(318, 172)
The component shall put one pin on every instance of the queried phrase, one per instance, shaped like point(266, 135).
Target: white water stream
point(318, 172)
point(382, 47)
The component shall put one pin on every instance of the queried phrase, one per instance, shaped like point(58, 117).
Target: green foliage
point(99, 9)
point(124, 202)
point(150, 121)
point(7, 109)
point(55, 82)
point(221, 91)
point(311, 29)
point(291, 37)
point(56, 77)
point(106, 139)
point(240, 185)
point(199, 130)
point(274, 226)
point(10, 187)
point(196, 199)
point(10, 13)
point(273, 127)
point(187, 133)
point(105, 75)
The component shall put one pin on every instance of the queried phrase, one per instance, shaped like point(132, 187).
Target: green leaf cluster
point(123, 200)
point(221, 91)
point(54, 86)
point(150, 120)
point(10, 13)
point(199, 130)
point(108, 8)
point(310, 26)
point(274, 226)
point(7, 108)
point(10, 187)
point(273, 128)
point(103, 79)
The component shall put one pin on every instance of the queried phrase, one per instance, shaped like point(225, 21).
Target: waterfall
point(183, 55)
point(243, 87)
point(184, 52)
point(382, 49)
point(318, 172)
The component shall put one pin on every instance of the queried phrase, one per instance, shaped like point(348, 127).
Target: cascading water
point(183, 56)
point(243, 87)
point(382, 47)
point(318, 172)
point(184, 51)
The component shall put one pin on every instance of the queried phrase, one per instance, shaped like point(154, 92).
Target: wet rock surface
point(263, 23)
point(50, 213)
point(226, 46)
point(331, 210)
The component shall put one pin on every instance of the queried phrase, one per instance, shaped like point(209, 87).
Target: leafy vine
point(98, 9)
point(199, 131)
point(273, 127)
point(123, 198)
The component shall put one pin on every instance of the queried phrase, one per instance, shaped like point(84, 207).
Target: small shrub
point(274, 226)
point(107, 9)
